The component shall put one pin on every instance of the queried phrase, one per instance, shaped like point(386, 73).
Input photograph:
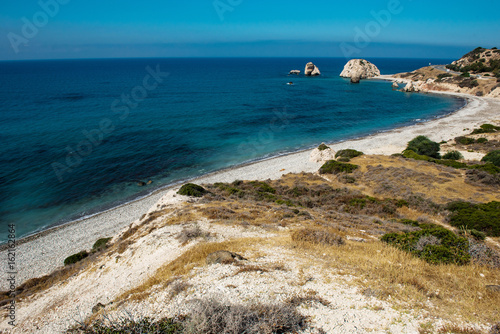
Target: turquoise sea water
point(78, 135)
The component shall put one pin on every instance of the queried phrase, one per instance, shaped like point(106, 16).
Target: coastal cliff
point(476, 73)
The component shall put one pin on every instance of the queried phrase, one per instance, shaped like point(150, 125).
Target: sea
point(82, 136)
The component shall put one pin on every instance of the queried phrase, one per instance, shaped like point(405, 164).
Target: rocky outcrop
point(395, 85)
point(297, 72)
point(360, 68)
point(322, 154)
point(411, 88)
point(311, 70)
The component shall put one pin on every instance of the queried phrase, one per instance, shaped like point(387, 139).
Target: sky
point(58, 29)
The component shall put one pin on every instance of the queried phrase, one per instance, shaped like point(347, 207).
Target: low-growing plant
point(424, 146)
point(348, 153)
point(433, 243)
point(492, 157)
point(486, 128)
point(129, 325)
point(481, 140)
point(76, 257)
point(100, 244)
point(453, 155)
point(193, 190)
point(322, 147)
point(464, 140)
point(484, 217)
point(335, 167)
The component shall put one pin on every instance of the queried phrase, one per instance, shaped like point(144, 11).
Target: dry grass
point(455, 329)
point(191, 258)
point(453, 290)
point(396, 177)
point(317, 236)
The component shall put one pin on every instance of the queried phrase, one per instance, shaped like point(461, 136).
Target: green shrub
point(432, 243)
point(444, 75)
point(450, 163)
point(453, 155)
point(424, 146)
point(465, 75)
point(493, 157)
point(483, 217)
point(348, 153)
point(486, 128)
point(343, 159)
point(475, 233)
point(100, 244)
point(335, 167)
point(75, 257)
point(322, 147)
point(191, 189)
point(487, 167)
point(481, 140)
point(464, 140)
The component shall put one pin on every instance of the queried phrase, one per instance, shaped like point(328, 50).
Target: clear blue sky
point(226, 28)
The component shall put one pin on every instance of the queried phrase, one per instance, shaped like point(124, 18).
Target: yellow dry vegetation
point(441, 184)
point(447, 291)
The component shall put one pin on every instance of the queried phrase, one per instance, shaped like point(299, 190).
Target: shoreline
point(54, 227)
point(165, 188)
point(40, 255)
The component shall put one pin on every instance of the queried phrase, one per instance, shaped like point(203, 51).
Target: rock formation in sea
point(395, 85)
point(355, 79)
point(311, 70)
point(411, 88)
point(297, 72)
point(360, 68)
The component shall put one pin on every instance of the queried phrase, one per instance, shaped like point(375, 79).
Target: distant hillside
point(479, 60)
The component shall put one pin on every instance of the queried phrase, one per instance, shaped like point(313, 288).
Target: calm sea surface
point(78, 136)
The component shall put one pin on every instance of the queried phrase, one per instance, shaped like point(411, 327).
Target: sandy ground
point(42, 255)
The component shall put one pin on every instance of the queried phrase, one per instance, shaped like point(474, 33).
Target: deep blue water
point(72, 144)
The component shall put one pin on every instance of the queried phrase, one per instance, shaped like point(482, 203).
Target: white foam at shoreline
point(42, 255)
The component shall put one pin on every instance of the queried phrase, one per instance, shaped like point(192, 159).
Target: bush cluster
point(76, 257)
point(100, 244)
point(432, 243)
point(453, 155)
point(483, 217)
point(464, 140)
point(488, 167)
point(336, 167)
point(492, 157)
point(348, 153)
point(486, 128)
point(424, 146)
point(193, 190)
